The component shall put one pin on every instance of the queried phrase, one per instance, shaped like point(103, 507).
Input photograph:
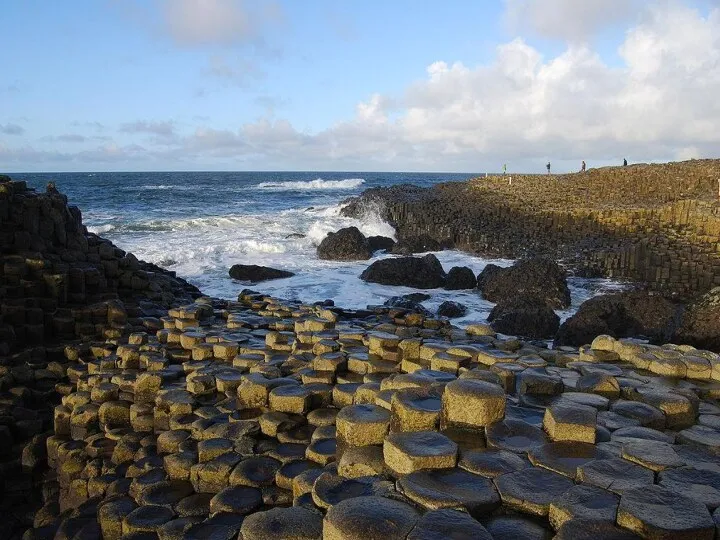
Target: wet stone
point(348, 520)
point(322, 451)
point(146, 519)
point(415, 409)
point(532, 490)
point(362, 461)
point(293, 523)
point(448, 524)
point(516, 527)
point(491, 463)
point(195, 505)
point(701, 485)
point(451, 488)
point(647, 415)
point(515, 436)
point(657, 512)
point(564, 457)
point(589, 529)
point(702, 436)
point(616, 475)
point(330, 489)
point(654, 455)
point(570, 422)
point(631, 434)
point(586, 502)
point(237, 500)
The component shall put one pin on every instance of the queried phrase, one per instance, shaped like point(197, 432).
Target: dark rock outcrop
point(347, 244)
point(380, 242)
point(409, 302)
point(416, 244)
point(459, 278)
point(527, 316)
point(254, 273)
point(451, 310)
point(700, 323)
point(627, 314)
point(418, 272)
point(540, 277)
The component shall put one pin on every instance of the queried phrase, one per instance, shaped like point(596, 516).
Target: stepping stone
point(290, 399)
point(516, 527)
point(703, 486)
point(601, 384)
point(492, 463)
point(322, 451)
point(639, 433)
point(613, 421)
point(654, 455)
point(564, 457)
point(110, 515)
point(591, 400)
point(286, 473)
point(257, 471)
point(616, 475)
point(166, 493)
point(415, 409)
point(697, 457)
point(451, 488)
point(532, 490)
point(330, 489)
point(292, 523)
point(472, 403)
point(566, 422)
point(587, 502)
point(515, 436)
point(362, 461)
point(196, 505)
point(702, 436)
point(588, 529)
point(218, 527)
point(175, 528)
point(362, 425)
point(678, 409)
point(408, 452)
point(362, 518)
point(647, 415)
point(448, 524)
point(236, 500)
point(146, 519)
point(659, 513)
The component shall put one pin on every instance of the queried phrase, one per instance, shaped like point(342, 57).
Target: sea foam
point(318, 183)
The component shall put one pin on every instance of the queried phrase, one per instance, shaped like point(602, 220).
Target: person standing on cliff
point(625, 162)
point(504, 169)
point(582, 168)
point(548, 167)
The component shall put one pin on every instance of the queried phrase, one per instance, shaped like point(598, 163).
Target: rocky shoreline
point(133, 407)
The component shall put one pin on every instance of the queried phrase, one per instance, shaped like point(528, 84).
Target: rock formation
point(418, 272)
point(255, 274)
point(347, 244)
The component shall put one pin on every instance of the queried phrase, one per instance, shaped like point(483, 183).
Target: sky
point(356, 85)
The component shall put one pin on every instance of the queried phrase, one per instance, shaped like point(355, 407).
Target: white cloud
point(164, 130)
point(570, 20)
point(227, 22)
point(11, 129)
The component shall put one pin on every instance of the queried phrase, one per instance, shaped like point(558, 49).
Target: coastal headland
point(131, 406)
point(657, 225)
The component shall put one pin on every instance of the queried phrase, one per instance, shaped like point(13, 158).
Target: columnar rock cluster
point(265, 419)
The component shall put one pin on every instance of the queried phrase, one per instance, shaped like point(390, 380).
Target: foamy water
point(200, 224)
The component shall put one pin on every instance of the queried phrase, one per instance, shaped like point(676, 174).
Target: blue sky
point(372, 85)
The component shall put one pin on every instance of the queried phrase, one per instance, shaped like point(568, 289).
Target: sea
point(199, 224)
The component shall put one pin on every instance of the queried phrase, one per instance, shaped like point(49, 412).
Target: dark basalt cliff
point(658, 225)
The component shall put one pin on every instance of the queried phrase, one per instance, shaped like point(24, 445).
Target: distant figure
point(504, 169)
point(548, 167)
point(582, 169)
point(624, 162)
point(510, 181)
point(51, 189)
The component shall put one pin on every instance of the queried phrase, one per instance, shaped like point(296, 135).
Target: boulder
point(380, 242)
point(416, 244)
point(627, 314)
point(254, 273)
point(700, 323)
point(411, 302)
point(347, 244)
point(451, 310)
point(418, 272)
point(460, 277)
point(537, 276)
point(525, 316)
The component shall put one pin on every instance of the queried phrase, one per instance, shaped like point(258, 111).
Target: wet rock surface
point(347, 244)
point(418, 272)
point(254, 273)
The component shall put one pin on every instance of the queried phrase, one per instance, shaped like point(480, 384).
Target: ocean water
point(200, 224)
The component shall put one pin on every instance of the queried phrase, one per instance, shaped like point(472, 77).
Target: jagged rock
point(254, 273)
point(347, 244)
point(628, 314)
point(377, 243)
point(700, 323)
point(534, 277)
point(525, 316)
point(416, 244)
point(420, 273)
point(411, 302)
point(460, 277)
point(451, 309)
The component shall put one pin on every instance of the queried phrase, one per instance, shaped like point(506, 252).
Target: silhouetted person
point(51, 189)
point(504, 169)
point(582, 169)
point(548, 167)
point(624, 162)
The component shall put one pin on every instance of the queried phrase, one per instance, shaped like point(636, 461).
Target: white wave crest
point(318, 183)
point(100, 229)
